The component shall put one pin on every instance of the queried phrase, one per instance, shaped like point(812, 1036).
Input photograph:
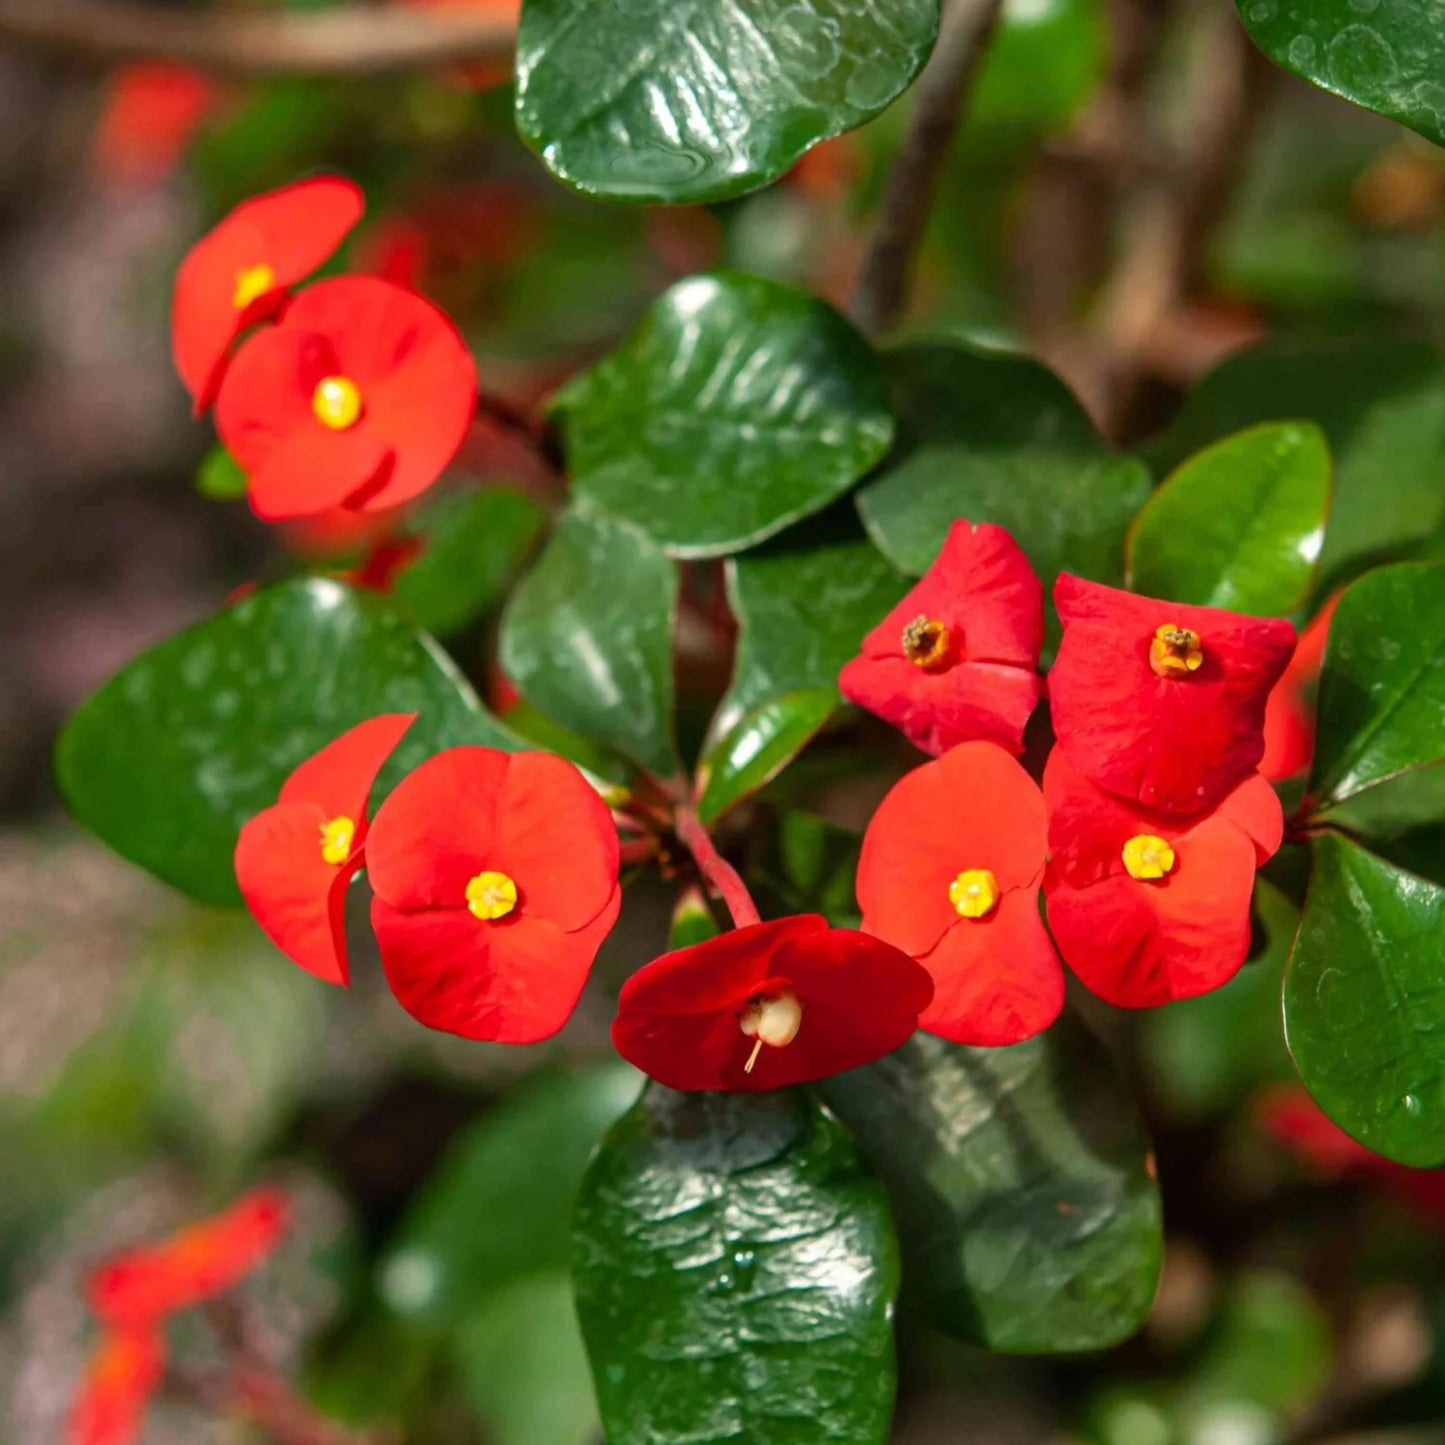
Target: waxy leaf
point(587, 636)
point(1382, 692)
point(1386, 55)
point(1022, 1184)
point(174, 753)
point(1364, 1013)
point(1239, 525)
point(735, 1270)
point(650, 100)
point(737, 406)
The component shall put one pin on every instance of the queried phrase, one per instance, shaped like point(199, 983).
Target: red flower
point(769, 1005)
point(495, 881)
point(138, 1290)
point(956, 660)
point(1289, 712)
point(151, 112)
point(237, 275)
point(124, 1372)
point(950, 873)
point(1160, 702)
point(358, 397)
point(295, 859)
point(1147, 907)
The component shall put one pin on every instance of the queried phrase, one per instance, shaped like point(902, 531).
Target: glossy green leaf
point(759, 746)
point(999, 438)
point(174, 753)
point(1364, 1012)
point(1022, 1184)
point(587, 636)
point(219, 476)
point(1240, 525)
point(1386, 55)
point(648, 100)
point(1381, 709)
point(738, 406)
point(804, 864)
point(735, 1270)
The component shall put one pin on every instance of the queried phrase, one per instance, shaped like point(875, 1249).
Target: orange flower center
point(1175, 651)
point(772, 1021)
point(337, 402)
point(974, 893)
point(491, 895)
point(926, 642)
point(252, 283)
point(1147, 856)
point(336, 838)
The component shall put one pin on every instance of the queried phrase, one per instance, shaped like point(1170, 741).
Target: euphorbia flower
point(956, 660)
point(1159, 702)
point(136, 1291)
point(769, 1005)
point(495, 882)
point(239, 273)
point(1147, 907)
point(359, 396)
point(950, 873)
point(1289, 713)
point(295, 859)
point(123, 1374)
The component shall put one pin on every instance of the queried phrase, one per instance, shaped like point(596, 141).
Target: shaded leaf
point(804, 864)
point(759, 746)
point(219, 476)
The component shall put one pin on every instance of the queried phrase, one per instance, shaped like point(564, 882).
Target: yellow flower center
point(974, 893)
point(926, 642)
point(336, 837)
point(772, 1021)
point(337, 402)
point(1175, 651)
point(491, 895)
point(1147, 856)
point(252, 283)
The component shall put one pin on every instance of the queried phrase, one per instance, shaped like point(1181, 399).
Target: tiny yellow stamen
point(772, 1021)
point(1175, 651)
point(491, 895)
point(337, 402)
point(1147, 856)
point(252, 283)
point(336, 839)
point(926, 642)
point(974, 893)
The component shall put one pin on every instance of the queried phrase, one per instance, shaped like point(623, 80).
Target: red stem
point(716, 869)
point(638, 850)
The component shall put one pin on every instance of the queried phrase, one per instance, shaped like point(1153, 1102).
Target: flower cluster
point(353, 393)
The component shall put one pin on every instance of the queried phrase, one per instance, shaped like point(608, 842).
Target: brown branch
point(912, 186)
point(352, 40)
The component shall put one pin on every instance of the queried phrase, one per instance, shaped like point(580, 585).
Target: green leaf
point(1382, 691)
point(738, 406)
point(1386, 55)
point(587, 636)
point(735, 1270)
point(1240, 525)
point(174, 753)
point(804, 864)
point(1364, 1014)
point(500, 1206)
point(219, 476)
point(999, 438)
point(1022, 1184)
point(693, 920)
point(649, 100)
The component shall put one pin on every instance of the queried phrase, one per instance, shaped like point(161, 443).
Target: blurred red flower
point(495, 882)
point(769, 1005)
point(238, 274)
point(123, 1374)
point(1160, 702)
point(295, 859)
point(957, 659)
point(950, 873)
point(151, 111)
point(1289, 713)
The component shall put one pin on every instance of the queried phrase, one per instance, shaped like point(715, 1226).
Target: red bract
point(359, 397)
point(956, 660)
point(495, 878)
point(239, 273)
point(138, 1290)
point(1289, 713)
point(151, 112)
point(124, 1372)
point(1159, 702)
point(1147, 907)
point(295, 860)
point(950, 873)
point(769, 1005)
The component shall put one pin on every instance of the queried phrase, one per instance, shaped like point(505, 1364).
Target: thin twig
point(941, 97)
point(716, 869)
point(353, 39)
